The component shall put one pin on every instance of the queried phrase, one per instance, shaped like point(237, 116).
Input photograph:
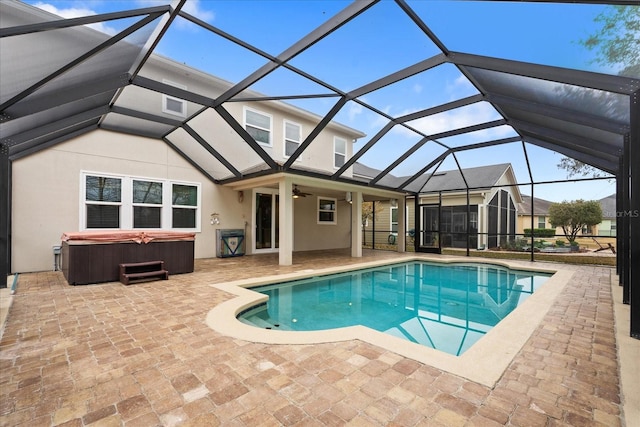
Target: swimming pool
point(448, 307)
point(484, 362)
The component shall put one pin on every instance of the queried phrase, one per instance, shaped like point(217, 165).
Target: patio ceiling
point(82, 79)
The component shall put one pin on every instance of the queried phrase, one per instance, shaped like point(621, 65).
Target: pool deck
point(144, 355)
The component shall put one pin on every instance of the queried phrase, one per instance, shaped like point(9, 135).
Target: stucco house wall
point(318, 156)
point(47, 199)
point(309, 235)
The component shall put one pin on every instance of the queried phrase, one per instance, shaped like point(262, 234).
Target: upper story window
point(172, 105)
point(327, 210)
point(339, 152)
point(258, 125)
point(292, 137)
point(123, 202)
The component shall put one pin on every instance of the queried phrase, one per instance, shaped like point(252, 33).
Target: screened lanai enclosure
point(430, 86)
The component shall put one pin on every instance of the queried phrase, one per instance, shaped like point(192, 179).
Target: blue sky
point(380, 41)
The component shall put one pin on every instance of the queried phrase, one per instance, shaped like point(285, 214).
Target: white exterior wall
point(309, 235)
point(47, 200)
point(318, 156)
point(46, 194)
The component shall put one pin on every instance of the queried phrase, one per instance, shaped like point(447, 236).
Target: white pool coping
point(484, 362)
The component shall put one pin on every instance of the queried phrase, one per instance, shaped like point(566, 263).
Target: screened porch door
point(429, 228)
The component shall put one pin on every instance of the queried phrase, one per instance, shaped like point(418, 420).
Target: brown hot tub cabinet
point(95, 257)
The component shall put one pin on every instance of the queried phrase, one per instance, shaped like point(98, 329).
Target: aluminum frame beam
point(579, 143)
point(5, 217)
point(344, 16)
point(83, 20)
point(241, 131)
point(195, 135)
point(54, 127)
point(589, 120)
point(605, 82)
point(189, 160)
point(434, 137)
point(89, 54)
point(634, 213)
point(54, 99)
point(33, 146)
point(315, 132)
point(595, 161)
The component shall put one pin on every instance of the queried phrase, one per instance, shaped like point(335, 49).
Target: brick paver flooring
point(142, 355)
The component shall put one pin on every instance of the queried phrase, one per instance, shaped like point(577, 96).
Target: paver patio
point(142, 355)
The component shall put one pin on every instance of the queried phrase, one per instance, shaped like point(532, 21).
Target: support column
point(402, 224)
point(356, 224)
point(285, 251)
point(634, 213)
point(5, 212)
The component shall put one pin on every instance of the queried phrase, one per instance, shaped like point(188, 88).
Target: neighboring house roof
point(608, 205)
point(540, 206)
point(476, 178)
point(482, 177)
point(364, 172)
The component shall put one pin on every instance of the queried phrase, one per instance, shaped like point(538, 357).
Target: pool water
point(443, 306)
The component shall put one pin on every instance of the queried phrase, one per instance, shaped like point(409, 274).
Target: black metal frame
point(618, 159)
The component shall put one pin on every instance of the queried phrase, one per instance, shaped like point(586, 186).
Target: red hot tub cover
point(125, 236)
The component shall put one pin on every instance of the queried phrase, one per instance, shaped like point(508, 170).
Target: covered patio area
point(143, 355)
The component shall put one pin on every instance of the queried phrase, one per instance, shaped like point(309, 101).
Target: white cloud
point(192, 7)
point(76, 12)
point(473, 114)
point(417, 88)
point(461, 85)
point(354, 111)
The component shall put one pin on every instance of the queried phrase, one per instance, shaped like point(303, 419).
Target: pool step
point(266, 324)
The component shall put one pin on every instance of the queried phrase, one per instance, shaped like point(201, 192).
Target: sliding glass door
point(266, 221)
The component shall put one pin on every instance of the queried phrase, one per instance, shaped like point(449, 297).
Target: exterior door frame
point(421, 232)
point(275, 213)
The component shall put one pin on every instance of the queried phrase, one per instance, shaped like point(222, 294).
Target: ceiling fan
point(297, 193)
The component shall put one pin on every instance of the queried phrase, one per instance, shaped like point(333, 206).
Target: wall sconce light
point(394, 203)
point(347, 197)
point(215, 218)
point(240, 196)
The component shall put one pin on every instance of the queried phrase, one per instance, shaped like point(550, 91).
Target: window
point(103, 198)
point(258, 125)
point(122, 202)
point(339, 152)
point(184, 205)
point(542, 222)
point(292, 137)
point(394, 219)
point(172, 105)
point(327, 210)
point(147, 204)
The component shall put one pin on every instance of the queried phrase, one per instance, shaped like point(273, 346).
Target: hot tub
point(94, 256)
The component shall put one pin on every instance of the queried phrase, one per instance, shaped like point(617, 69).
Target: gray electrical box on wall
point(229, 243)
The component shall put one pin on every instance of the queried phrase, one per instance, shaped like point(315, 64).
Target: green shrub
point(540, 232)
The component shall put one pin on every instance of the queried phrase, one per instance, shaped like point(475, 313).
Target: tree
point(618, 40)
point(368, 212)
point(573, 216)
point(575, 167)
point(617, 43)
